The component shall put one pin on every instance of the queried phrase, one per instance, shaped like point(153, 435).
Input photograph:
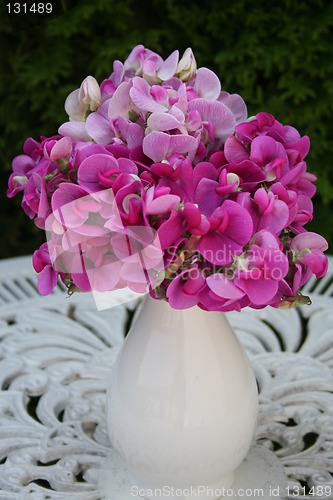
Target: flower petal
point(171, 230)
point(309, 240)
point(74, 108)
point(120, 102)
point(158, 145)
point(207, 84)
point(234, 150)
point(224, 287)
point(169, 66)
point(140, 95)
point(218, 114)
point(260, 292)
point(236, 105)
point(75, 130)
point(99, 129)
point(163, 204)
point(163, 122)
point(47, 280)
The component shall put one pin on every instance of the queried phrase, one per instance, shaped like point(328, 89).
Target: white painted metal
point(55, 354)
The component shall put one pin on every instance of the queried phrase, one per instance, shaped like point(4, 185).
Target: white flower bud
point(19, 180)
point(187, 66)
point(231, 178)
point(90, 93)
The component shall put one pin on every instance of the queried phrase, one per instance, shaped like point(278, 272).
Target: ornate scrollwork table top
point(56, 353)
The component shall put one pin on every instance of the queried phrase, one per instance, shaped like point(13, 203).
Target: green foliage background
point(278, 55)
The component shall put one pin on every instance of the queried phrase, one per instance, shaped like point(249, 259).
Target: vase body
point(182, 401)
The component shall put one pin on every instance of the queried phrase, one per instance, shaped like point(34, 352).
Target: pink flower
point(258, 273)
point(56, 150)
point(207, 84)
point(217, 114)
point(308, 257)
point(99, 171)
point(236, 105)
point(21, 165)
point(48, 276)
point(184, 291)
point(143, 62)
point(159, 179)
point(230, 230)
point(267, 212)
point(160, 146)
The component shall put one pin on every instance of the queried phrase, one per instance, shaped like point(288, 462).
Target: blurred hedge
point(278, 55)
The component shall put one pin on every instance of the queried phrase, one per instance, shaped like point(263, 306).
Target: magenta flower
point(21, 165)
point(267, 212)
point(98, 127)
point(99, 171)
point(147, 98)
point(159, 180)
point(57, 150)
point(160, 146)
point(184, 291)
point(236, 105)
point(258, 274)
point(217, 114)
point(48, 276)
point(230, 229)
point(309, 258)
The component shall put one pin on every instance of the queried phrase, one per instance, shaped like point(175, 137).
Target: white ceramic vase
point(182, 402)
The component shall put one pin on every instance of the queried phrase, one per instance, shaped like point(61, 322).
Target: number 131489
point(24, 8)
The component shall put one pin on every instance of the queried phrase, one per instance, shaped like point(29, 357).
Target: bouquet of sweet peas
point(160, 181)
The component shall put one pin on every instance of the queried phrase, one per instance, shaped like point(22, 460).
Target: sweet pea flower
point(99, 171)
point(217, 114)
point(198, 224)
point(236, 105)
point(258, 273)
point(265, 124)
point(183, 292)
point(210, 301)
point(47, 275)
point(149, 65)
point(75, 108)
point(267, 211)
point(176, 174)
point(307, 249)
point(163, 122)
point(56, 150)
point(148, 98)
point(160, 180)
point(69, 207)
point(230, 230)
point(134, 63)
point(211, 191)
point(207, 85)
point(21, 166)
point(160, 146)
point(87, 97)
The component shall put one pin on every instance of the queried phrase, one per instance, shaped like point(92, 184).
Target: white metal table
point(56, 353)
